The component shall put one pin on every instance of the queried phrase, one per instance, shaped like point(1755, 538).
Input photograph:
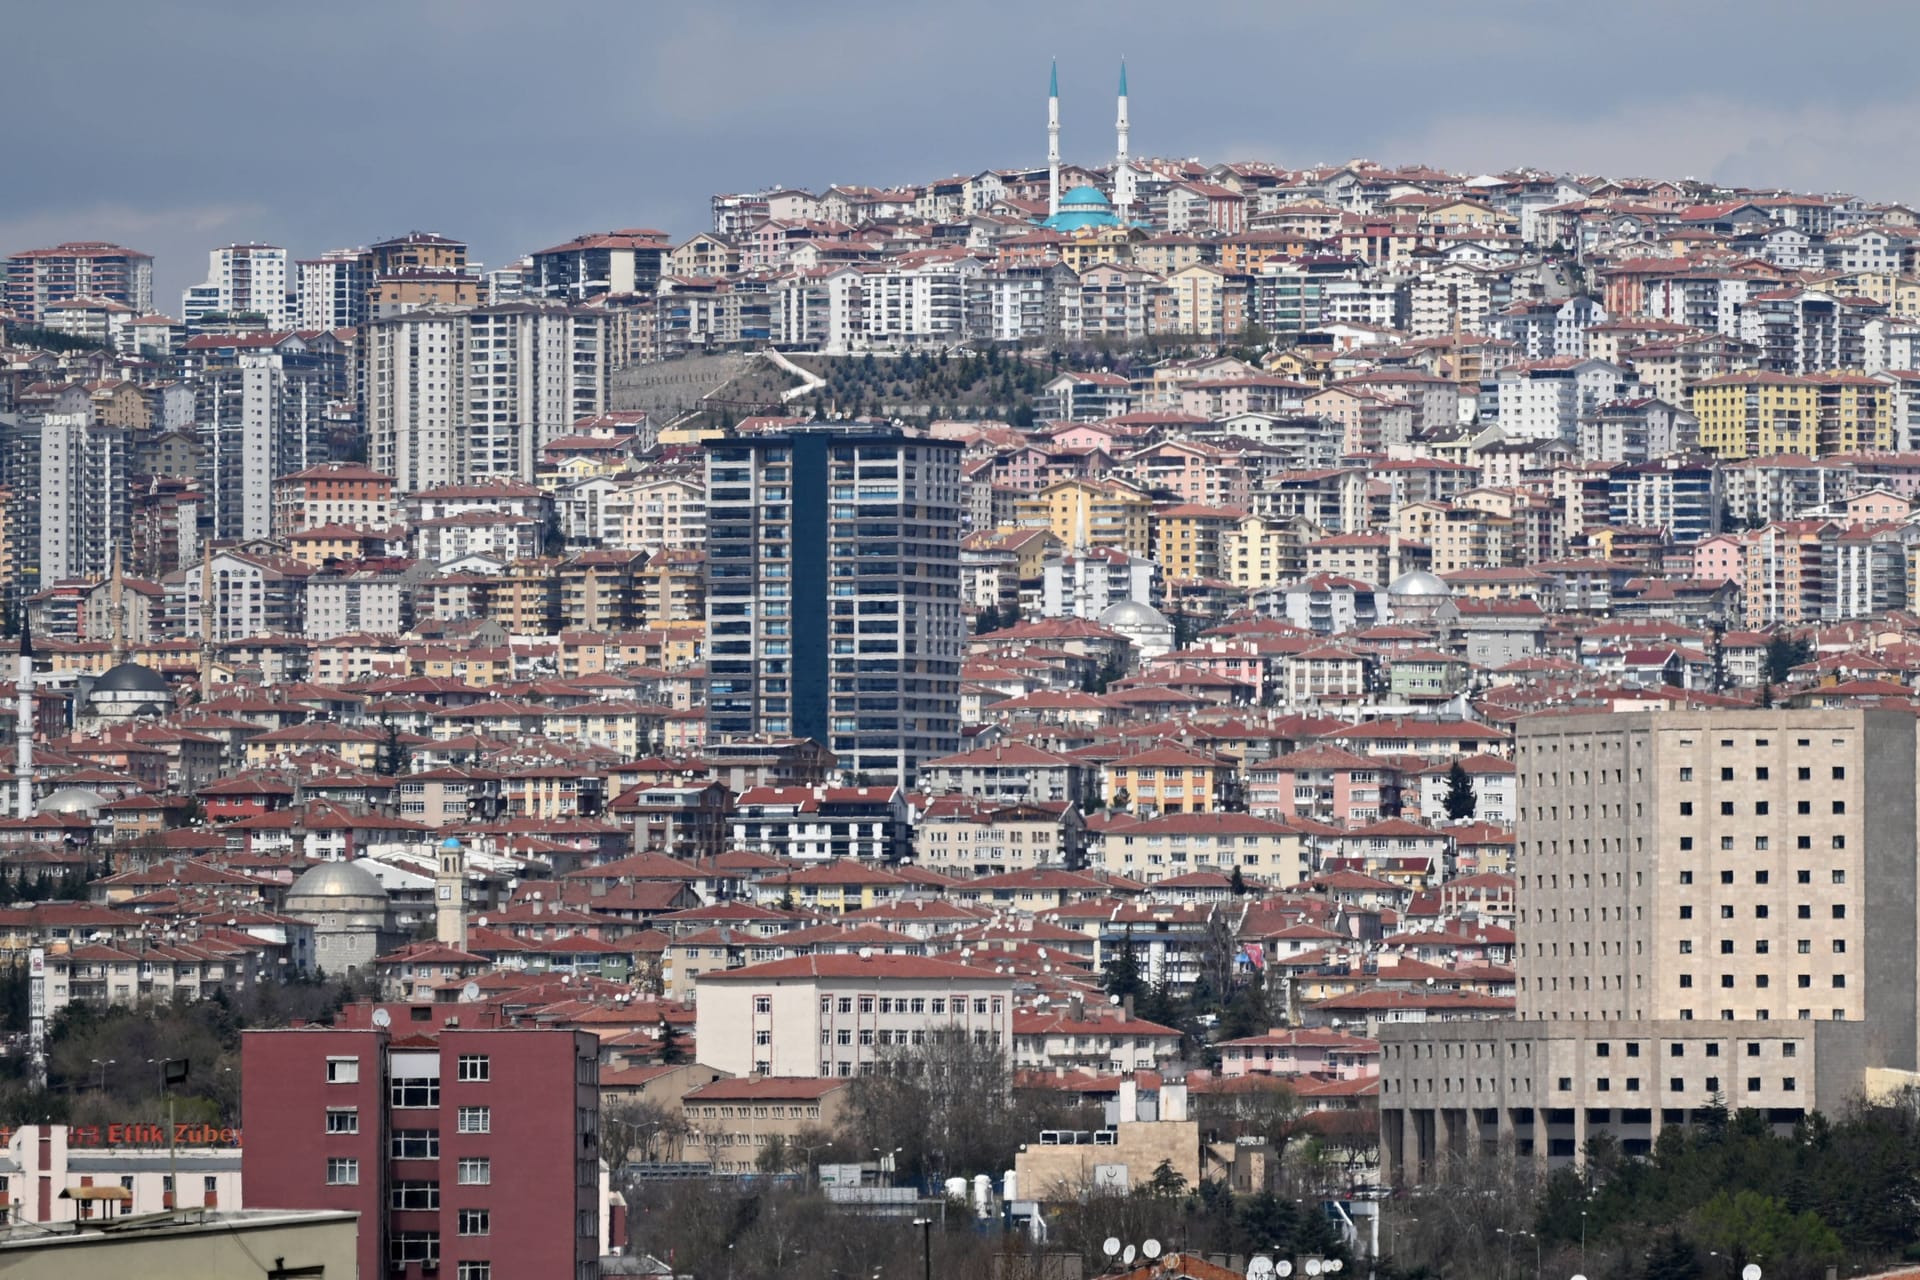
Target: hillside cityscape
point(1136, 717)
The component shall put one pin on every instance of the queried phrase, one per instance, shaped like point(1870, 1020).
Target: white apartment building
point(657, 514)
point(1548, 399)
point(242, 278)
point(80, 505)
point(261, 417)
point(531, 372)
point(352, 603)
point(416, 398)
point(837, 1015)
point(30, 281)
point(332, 289)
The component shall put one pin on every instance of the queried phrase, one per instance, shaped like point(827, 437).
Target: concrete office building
point(833, 593)
point(1712, 907)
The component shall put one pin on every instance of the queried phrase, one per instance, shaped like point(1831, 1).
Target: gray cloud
point(176, 127)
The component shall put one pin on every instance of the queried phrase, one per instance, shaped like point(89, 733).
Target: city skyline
point(1786, 113)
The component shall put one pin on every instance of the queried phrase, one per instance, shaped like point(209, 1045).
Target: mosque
point(1088, 208)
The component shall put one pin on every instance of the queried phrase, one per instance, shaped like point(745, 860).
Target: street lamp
point(103, 1064)
point(926, 1245)
point(1502, 1231)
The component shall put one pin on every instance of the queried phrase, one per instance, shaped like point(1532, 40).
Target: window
point(414, 1144)
point(1726, 808)
point(475, 1222)
point(405, 1248)
point(343, 1171)
point(476, 1171)
point(474, 1068)
point(476, 1120)
point(343, 1071)
point(1677, 1085)
point(1839, 773)
point(1789, 1084)
point(414, 1195)
point(763, 1004)
point(415, 1091)
point(475, 1270)
point(343, 1120)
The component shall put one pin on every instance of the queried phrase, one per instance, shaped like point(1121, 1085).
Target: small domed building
point(125, 693)
point(351, 915)
point(1418, 597)
point(1149, 629)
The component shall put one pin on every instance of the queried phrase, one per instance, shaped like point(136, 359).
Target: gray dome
point(336, 880)
point(72, 800)
point(131, 677)
point(1131, 613)
point(1418, 583)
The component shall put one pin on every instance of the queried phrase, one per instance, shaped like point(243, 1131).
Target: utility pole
point(173, 1072)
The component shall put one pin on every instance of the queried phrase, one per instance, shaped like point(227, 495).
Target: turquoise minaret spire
point(1053, 140)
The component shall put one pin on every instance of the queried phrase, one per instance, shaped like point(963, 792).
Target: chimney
point(1129, 1099)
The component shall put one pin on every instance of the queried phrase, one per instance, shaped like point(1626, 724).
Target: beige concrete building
point(729, 1123)
point(1142, 1131)
point(1711, 907)
point(836, 1015)
point(188, 1246)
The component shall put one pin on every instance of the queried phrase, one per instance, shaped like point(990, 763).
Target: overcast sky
point(175, 127)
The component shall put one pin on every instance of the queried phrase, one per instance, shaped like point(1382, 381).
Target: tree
point(1460, 802)
point(1743, 1225)
point(1167, 1183)
point(1121, 974)
point(671, 1052)
point(393, 755)
point(1237, 883)
point(1783, 655)
point(631, 1128)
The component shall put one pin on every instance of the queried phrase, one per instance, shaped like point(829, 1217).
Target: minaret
point(23, 724)
point(206, 621)
point(1053, 141)
point(450, 896)
point(117, 602)
point(1122, 168)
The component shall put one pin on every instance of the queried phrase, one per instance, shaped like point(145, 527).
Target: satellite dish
point(1260, 1269)
point(1126, 1256)
point(1579, 1277)
point(1312, 1266)
point(1111, 1247)
point(1151, 1248)
point(481, 921)
point(1283, 1268)
point(470, 993)
point(1750, 1272)
point(1113, 999)
point(381, 1018)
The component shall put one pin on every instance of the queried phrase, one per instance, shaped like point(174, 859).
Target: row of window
point(1678, 1084)
point(469, 1068)
point(473, 1171)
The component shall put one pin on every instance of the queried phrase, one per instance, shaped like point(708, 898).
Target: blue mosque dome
point(1082, 208)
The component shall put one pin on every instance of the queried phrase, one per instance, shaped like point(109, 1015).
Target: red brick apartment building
point(470, 1153)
